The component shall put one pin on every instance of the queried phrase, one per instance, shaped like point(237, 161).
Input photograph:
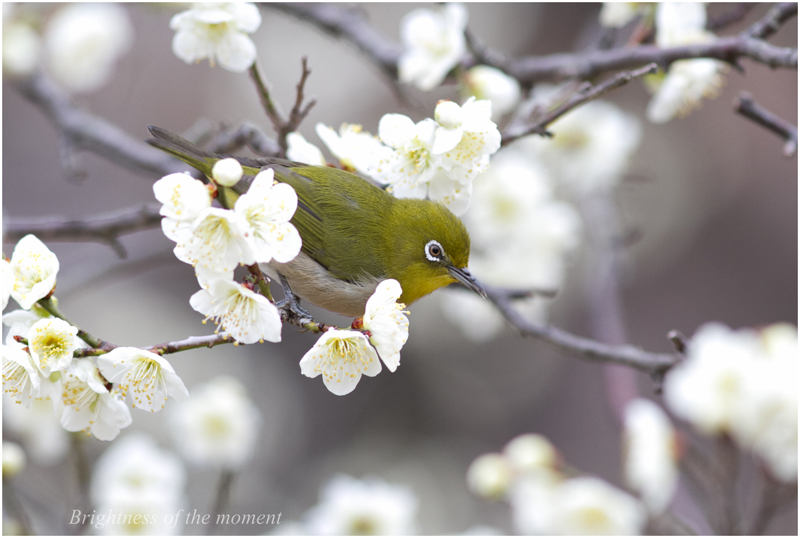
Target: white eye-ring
point(434, 251)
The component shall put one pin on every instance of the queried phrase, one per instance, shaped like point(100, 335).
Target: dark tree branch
point(748, 108)
point(556, 67)
point(772, 21)
point(247, 134)
point(106, 228)
point(586, 93)
point(653, 363)
point(283, 126)
point(89, 132)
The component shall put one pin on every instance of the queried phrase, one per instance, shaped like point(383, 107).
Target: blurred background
point(710, 197)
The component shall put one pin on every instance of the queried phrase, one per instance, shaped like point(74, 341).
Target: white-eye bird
point(354, 233)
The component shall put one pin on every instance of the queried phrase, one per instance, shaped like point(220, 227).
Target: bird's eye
point(434, 251)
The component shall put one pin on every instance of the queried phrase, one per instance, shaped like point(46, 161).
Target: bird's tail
point(190, 153)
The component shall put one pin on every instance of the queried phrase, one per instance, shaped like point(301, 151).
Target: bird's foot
point(290, 308)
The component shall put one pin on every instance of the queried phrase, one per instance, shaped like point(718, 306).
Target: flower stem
point(51, 305)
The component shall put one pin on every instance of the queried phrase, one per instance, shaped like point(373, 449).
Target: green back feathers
point(351, 227)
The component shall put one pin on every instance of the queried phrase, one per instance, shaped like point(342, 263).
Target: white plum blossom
point(618, 14)
point(35, 269)
point(22, 48)
point(14, 459)
point(51, 342)
point(217, 31)
point(342, 357)
point(84, 41)
point(705, 389)
point(355, 148)
point(385, 319)
point(183, 198)
point(650, 450)
point(139, 483)
point(530, 452)
point(302, 151)
point(588, 505)
point(687, 82)
point(434, 44)
point(267, 208)
point(219, 425)
point(21, 378)
point(148, 378)
point(490, 476)
point(38, 428)
point(227, 172)
point(370, 506)
point(20, 322)
point(88, 405)
point(218, 239)
point(591, 146)
point(489, 83)
point(407, 162)
point(135, 464)
point(465, 137)
point(7, 281)
point(244, 314)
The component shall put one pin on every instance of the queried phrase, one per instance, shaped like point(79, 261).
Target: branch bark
point(747, 107)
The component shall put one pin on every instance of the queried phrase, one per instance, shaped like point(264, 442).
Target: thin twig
point(193, 342)
point(246, 134)
point(300, 109)
point(586, 93)
point(105, 228)
point(728, 457)
point(83, 475)
point(93, 133)
point(50, 304)
point(772, 21)
point(584, 348)
point(222, 498)
point(747, 107)
point(271, 109)
point(774, 496)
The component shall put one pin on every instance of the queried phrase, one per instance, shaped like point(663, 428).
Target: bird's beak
point(465, 277)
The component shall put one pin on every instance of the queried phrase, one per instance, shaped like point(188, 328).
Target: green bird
point(354, 233)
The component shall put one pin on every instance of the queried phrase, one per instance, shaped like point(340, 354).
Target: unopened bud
point(13, 459)
point(489, 476)
point(227, 172)
point(448, 114)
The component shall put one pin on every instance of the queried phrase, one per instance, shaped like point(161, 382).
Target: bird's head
point(429, 249)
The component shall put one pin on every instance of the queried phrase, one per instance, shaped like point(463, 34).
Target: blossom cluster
point(216, 240)
point(78, 47)
point(544, 500)
point(434, 158)
point(742, 384)
point(39, 364)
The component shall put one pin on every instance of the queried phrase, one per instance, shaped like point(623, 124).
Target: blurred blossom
point(218, 426)
point(367, 507)
point(35, 269)
point(618, 14)
point(743, 383)
point(227, 172)
point(21, 378)
point(6, 280)
point(267, 207)
point(387, 323)
point(483, 530)
point(217, 31)
point(51, 342)
point(342, 357)
point(302, 151)
point(591, 146)
point(88, 405)
point(39, 429)
point(522, 236)
point(147, 377)
point(355, 148)
point(21, 47)
point(83, 42)
point(245, 315)
point(530, 452)
point(489, 83)
point(139, 484)
point(135, 464)
point(434, 44)
point(650, 449)
point(576, 506)
point(686, 82)
point(489, 476)
point(13, 459)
